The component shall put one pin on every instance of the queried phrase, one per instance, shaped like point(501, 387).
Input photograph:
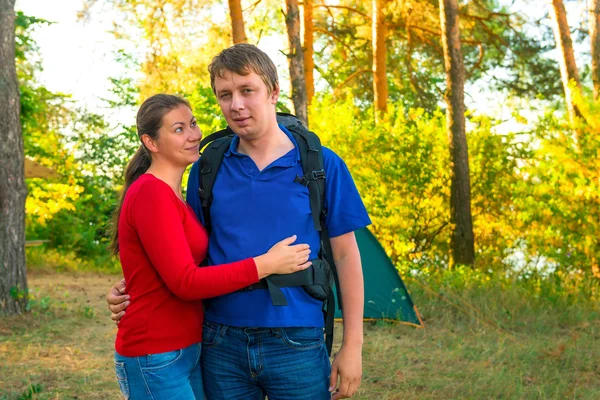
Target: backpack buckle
point(311, 176)
point(301, 180)
point(320, 174)
point(204, 197)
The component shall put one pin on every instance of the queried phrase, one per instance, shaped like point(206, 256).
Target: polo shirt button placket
point(249, 165)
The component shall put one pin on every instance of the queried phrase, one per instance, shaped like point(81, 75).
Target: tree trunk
point(237, 21)
point(568, 68)
point(309, 63)
point(594, 10)
point(460, 196)
point(380, 84)
point(296, 60)
point(13, 280)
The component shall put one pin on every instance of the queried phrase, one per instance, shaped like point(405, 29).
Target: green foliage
point(535, 196)
point(71, 211)
point(206, 109)
point(38, 305)
point(29, 393)
point(495, 183)
point(59, 259)
point(25, 46)
point(17, 293)
point(535, 200)
point(501, 48)
point(88, 312)
point(501, 326)
point(561, 195)
point(42, 112)
point(400, 168)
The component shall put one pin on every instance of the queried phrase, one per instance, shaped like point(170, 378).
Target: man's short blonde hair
point(243, 59)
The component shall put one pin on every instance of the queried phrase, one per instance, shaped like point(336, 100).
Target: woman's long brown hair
point(148, 122)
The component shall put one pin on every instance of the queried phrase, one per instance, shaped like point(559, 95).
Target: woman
point(160, 243)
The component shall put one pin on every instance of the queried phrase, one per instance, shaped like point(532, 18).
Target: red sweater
point(161, 244)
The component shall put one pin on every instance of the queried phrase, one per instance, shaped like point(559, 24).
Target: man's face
point(246, 103)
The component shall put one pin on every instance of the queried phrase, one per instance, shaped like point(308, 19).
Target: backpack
point(318, 279)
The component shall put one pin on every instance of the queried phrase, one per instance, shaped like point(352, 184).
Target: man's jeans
point(174, 375)
point(249, 363)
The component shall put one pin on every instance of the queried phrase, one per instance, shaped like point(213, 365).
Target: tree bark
point(237, 22)
point(380, 84)
point(13, 279)
point(594, 10)
point(462, 241)
point(309, 63)
point(568, 67)
point(296, 60)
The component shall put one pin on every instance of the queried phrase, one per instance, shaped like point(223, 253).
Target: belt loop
point(276, 332)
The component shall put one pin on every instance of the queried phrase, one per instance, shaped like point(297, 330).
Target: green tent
point(386, 296)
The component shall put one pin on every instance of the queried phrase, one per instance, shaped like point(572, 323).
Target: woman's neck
point(169, 174)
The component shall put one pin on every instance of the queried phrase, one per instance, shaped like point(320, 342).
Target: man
point(252, 348)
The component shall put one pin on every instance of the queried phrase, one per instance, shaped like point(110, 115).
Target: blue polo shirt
point(252, 210)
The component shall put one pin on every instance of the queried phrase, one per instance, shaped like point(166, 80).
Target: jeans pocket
point(122, 379)
point(211, 334)
point(199, 353)
point(302, 338)
point(161, 360)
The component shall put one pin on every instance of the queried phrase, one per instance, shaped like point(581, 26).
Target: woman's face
point(179, 137)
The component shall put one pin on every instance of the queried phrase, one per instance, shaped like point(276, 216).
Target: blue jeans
point(174, 375)
point(249, 363)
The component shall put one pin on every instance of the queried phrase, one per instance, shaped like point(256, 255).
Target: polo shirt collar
point(293, 155)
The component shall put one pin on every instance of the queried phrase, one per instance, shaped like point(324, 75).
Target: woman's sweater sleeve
point(157, 218)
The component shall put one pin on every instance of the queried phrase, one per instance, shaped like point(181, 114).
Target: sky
point(78, 57)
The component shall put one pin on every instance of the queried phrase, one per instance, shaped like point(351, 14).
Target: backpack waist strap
point(313, 275)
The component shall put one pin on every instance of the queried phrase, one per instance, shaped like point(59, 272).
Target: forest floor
point(63, 348)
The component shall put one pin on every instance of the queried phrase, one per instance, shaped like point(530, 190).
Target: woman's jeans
point(174, 375)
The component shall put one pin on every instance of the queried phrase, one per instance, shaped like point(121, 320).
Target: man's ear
point(149, 143)
point(275, 94)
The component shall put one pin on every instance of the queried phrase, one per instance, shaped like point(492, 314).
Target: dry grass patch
point(63, 349)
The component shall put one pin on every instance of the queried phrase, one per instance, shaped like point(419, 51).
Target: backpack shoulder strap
point(210, 161)
point(311, 157)
point(214, 136)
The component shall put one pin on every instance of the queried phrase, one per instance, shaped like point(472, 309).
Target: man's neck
point(267, 148)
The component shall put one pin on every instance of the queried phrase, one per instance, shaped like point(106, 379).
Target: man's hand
point(348, 362)
point(117, 301)
point(348, 366)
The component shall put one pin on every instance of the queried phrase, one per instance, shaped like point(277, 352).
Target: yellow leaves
point(43, 202)
point(546, 212)
point(364, 32)
point(595, 268)
point(520, 118)
point(399, 167)
point(541, 194)
point(415, 114)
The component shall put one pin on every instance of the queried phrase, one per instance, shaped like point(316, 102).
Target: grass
point(495, 342)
